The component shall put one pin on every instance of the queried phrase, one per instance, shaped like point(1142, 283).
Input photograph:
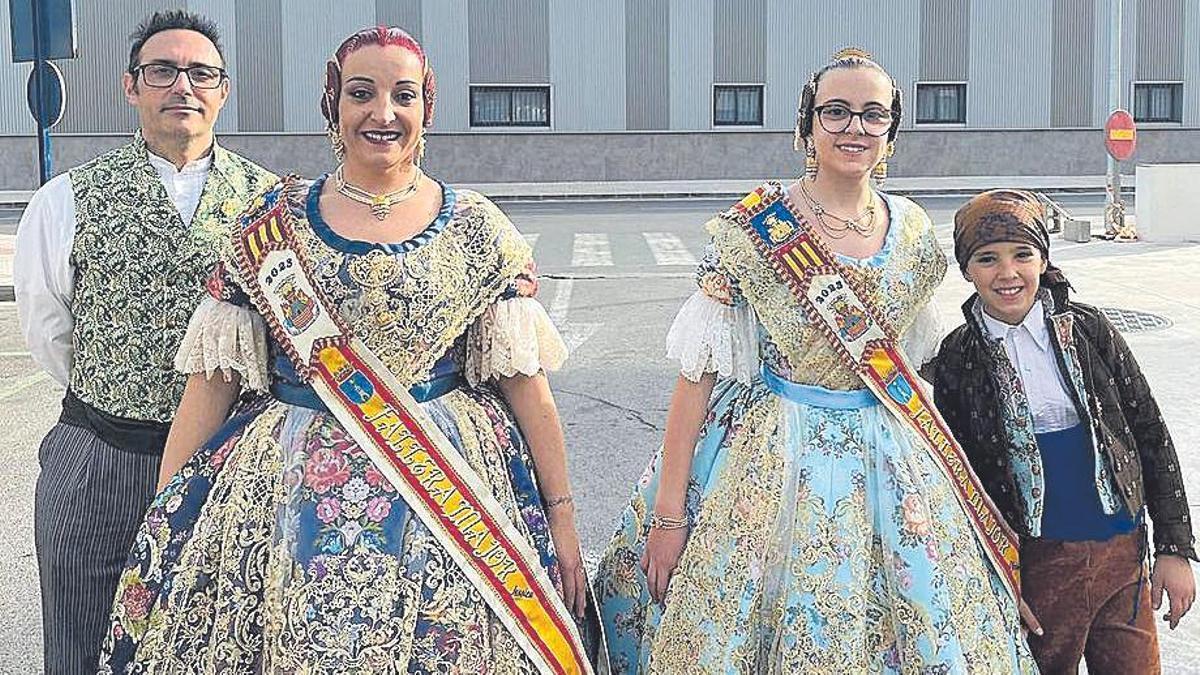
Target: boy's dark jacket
point(1125, 418)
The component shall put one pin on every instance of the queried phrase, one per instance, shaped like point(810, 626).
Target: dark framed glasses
point(837, 118)
point(163, 75)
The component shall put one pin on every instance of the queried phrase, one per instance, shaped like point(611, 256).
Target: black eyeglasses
point(837, 118)
point(163, 75)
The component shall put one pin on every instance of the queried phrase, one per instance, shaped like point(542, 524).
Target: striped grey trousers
point(90, 499)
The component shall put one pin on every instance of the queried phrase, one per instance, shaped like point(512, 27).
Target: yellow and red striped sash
point(835, 303)
point(406, 446)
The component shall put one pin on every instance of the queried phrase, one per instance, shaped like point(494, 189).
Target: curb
point(724, 195)
point(734, 196)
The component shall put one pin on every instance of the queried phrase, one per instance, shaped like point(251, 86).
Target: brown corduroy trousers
point(1085, 595)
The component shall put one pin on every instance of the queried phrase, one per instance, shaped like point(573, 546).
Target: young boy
point(1059, 424)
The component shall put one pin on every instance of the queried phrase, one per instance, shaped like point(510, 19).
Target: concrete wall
point(616, 65)
point(1168, 202)
point(587, 68)
point(633, 156)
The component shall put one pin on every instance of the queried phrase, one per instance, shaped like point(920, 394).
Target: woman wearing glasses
point(792, 522)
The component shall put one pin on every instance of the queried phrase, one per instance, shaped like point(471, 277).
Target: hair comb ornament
point(852, 53)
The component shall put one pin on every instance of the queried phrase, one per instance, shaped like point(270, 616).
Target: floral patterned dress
point(823, 537)
point(279, 547)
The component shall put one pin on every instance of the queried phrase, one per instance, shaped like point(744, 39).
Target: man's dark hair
point(174, 19)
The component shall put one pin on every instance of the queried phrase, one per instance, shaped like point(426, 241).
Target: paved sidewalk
point(689, 189)
point(677, 189)
point(733, 189)
point(7, 250)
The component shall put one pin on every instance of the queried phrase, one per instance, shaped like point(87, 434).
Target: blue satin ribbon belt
point(304, 396)
point(818, 397)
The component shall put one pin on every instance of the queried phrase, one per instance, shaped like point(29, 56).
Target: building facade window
point(738, 105)
point(500, 106)
point(941, 103)
point(1158, 101)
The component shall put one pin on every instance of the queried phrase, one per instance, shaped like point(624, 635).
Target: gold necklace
point(381, 205)
point(854, 224)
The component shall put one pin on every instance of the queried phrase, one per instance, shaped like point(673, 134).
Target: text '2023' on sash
point(832, 301)
point(406, 446)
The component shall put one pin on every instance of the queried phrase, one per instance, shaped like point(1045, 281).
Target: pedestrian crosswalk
point(668, 249)
point(591, 250)
point(563, 249)
point(616, 249)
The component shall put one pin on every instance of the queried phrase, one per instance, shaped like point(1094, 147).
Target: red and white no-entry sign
point(1120, 135)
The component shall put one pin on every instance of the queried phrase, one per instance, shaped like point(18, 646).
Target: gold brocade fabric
point(409, 309)
point(139, 273)
point(792, 346)
point(823, 537)
point(280, 547)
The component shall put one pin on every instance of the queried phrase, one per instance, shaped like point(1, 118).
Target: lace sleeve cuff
point(226, 337)
point(710, 337)
point(513, 336)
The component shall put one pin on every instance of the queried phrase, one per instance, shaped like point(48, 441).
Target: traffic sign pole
point(1120, 139)
point(45, 161)
point(1115, 206)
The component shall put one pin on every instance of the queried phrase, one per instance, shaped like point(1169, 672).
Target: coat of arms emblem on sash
point(300, 309)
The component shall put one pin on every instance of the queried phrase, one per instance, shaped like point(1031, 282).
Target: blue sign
point(54, 98)
point(58, 29)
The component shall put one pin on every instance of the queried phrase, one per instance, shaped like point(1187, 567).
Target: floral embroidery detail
point(822, 540)
point(914, 267)
point(125, 344)
point(286, 540)
point(1024, 456)
point(1063, 330)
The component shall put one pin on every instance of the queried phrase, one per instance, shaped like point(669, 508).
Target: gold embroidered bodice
point(899, 280)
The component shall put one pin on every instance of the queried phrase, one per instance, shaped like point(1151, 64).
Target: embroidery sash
point(832, 301)
point(407, 447)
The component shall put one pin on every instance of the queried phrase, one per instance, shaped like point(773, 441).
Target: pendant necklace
point(862, 224)
point(381, 205)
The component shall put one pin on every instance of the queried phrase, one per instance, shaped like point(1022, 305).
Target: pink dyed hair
point(383, 36)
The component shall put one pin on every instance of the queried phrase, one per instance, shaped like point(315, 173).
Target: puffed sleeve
point(921, 340)
point(514, 335)
point(225, 334)
point(715, 331)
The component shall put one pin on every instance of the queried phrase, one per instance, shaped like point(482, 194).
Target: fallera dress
point(824, 538)
point(279, 547)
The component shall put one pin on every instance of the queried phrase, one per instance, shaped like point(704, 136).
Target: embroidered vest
point(139, 274)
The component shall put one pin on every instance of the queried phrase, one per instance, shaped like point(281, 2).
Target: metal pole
point(1115, 206)
point(43, 132)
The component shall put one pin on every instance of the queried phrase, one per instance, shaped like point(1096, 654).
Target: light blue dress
point(823, 538)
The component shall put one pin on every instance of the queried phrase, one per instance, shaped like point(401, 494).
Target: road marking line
point(591, 250)
point(13, 355)
point(562, 301)
point(23, 384)
point(668, 249)
point(573, 334)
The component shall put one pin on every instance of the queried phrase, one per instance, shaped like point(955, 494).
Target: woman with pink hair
point(366, 473)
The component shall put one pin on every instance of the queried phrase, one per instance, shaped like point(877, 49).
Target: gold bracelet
point(661, 522)
point(553, 502)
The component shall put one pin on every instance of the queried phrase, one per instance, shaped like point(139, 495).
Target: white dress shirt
point(1032, 355)
point(43, 275)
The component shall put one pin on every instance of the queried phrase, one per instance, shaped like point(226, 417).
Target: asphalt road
point(614, 273)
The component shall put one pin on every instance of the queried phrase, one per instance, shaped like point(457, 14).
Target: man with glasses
point(111, 261)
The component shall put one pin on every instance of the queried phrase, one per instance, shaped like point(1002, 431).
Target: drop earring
point(810, 160)
point(880, 172)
